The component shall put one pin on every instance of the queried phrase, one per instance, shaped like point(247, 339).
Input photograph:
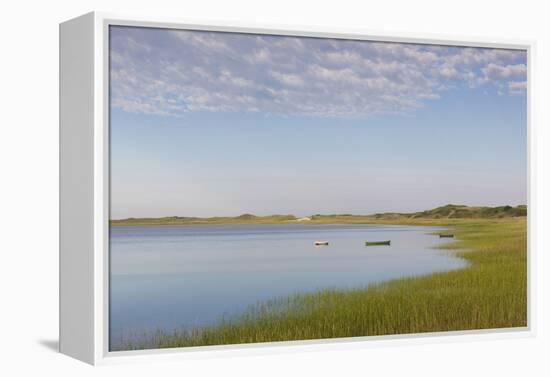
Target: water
point(185, 276)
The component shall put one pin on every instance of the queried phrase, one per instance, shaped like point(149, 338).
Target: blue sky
point(206, 124)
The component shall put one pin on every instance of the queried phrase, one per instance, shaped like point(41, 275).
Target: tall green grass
point(490, 293)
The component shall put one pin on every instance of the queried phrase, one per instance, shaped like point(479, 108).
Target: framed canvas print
point(224, 186)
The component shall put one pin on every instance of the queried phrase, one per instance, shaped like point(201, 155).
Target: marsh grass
point(490, 293)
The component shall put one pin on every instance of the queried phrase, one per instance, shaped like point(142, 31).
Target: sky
point(220, 124)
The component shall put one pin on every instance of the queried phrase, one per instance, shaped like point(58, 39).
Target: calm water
point(168, 277)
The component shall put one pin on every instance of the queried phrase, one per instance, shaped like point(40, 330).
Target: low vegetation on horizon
point(449, 212)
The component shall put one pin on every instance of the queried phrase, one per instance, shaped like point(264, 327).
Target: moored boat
point(321, 243)
point(377, 243)
point(446, 236)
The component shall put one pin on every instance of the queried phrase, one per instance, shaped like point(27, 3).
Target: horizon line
point(314, 214)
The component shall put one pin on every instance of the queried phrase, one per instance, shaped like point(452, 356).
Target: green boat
point(377, 243)
point(446, 235)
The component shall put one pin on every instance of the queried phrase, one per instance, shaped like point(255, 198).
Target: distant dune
point(453, 211)
point(450, 211)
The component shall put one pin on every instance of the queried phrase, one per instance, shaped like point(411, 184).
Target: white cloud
point(517, 87)
point(168, 72)
point(259, 56)
point(448, 72)
point(228, 78)
point(287, 78)
point(498, 72)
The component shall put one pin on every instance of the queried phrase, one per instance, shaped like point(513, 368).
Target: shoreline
point(489, 293)
point(450, 213)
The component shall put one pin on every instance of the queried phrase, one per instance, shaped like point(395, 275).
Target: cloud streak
point(173, 72)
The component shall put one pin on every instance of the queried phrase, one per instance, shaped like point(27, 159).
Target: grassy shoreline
point(490, 293)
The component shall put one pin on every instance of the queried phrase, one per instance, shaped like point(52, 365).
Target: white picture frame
point(84, 190)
